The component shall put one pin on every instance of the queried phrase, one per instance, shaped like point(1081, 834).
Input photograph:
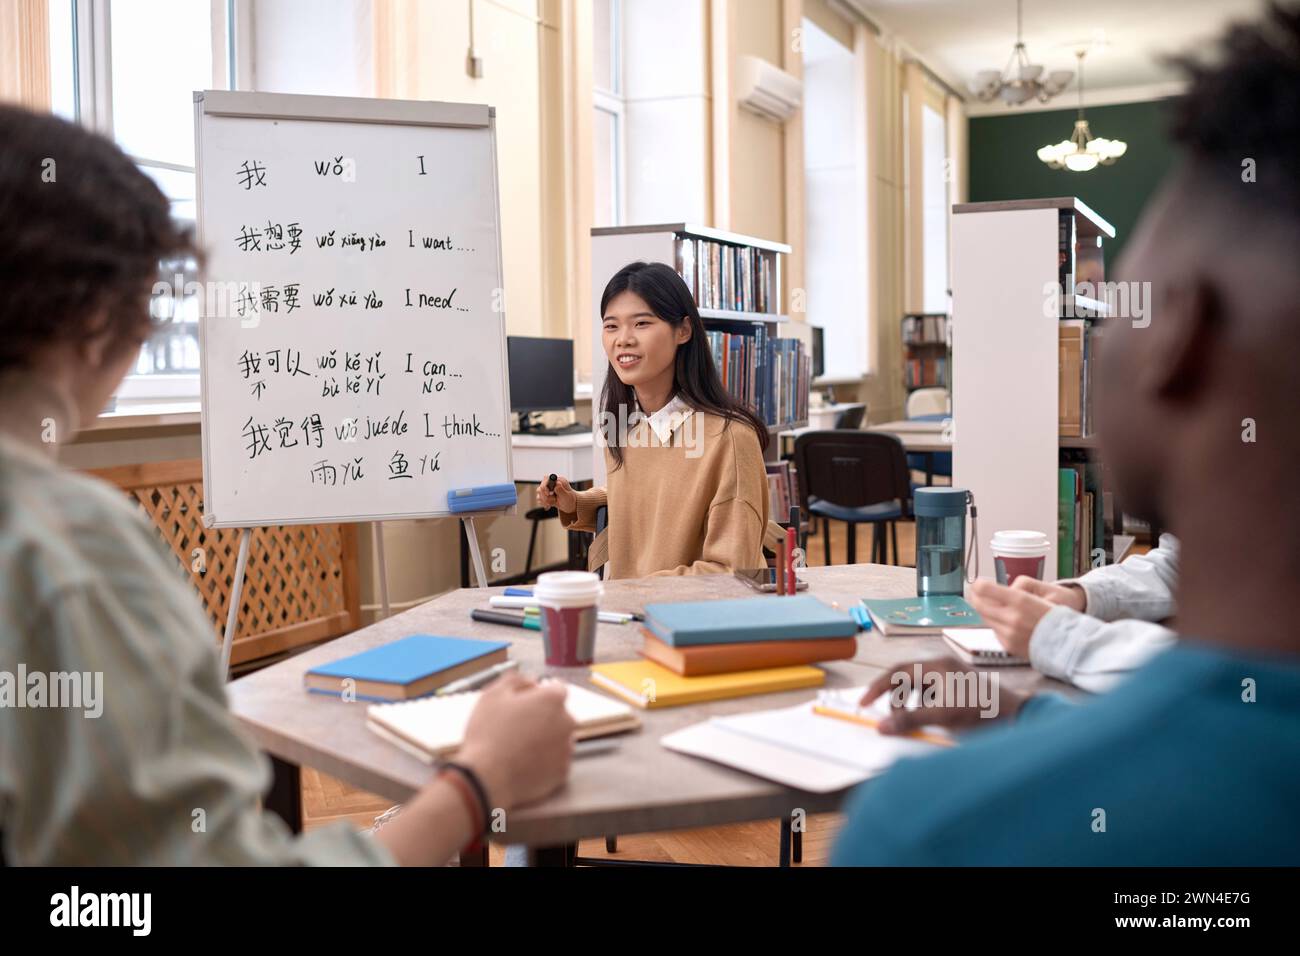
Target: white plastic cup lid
point(568, 589)
point(1020, 544)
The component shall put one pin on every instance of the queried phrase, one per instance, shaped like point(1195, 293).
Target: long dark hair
point(695, 376)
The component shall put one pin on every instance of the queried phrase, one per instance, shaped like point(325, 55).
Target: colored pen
point(515, 620)
point(590, 748)
point(604, 617)
point(792, 544)
point(550, 482)
point(476, 680)
point(528, 604)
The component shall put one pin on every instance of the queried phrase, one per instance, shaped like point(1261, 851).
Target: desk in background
point(537, 457)
point(920, 436)
point(828, 416)
point(637, 788)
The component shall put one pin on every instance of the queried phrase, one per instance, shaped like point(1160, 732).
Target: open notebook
point(801, 748)
point(433, 727)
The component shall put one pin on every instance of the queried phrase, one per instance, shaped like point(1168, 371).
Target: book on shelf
point(1066, 238)
point(770, 375)
point(725, 276)
point(926, 372)
point(925, 329)
point(1077, 344)
point(1089, 504)
point(783, 487)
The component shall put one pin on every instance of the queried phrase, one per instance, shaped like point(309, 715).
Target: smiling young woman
point(687, 486)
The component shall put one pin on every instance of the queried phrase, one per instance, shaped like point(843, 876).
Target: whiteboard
point(352, 328)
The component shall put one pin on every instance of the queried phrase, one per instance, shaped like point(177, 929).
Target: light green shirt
point(163, 775)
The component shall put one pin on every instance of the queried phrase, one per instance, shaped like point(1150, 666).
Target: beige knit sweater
point(677, 509)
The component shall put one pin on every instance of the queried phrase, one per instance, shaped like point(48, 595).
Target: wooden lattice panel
point(300, 584)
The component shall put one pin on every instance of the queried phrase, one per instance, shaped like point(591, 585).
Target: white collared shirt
point(668, 419)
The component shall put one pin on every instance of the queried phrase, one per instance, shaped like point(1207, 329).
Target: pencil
point(873, 723)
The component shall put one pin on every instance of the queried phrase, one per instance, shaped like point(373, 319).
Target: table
point(826, 416)
point(637, 788)
point(920, 437)
point(536, 457)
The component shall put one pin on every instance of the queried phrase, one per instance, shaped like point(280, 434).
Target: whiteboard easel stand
point(377, 536)
point(471, 535)
point(236, 596)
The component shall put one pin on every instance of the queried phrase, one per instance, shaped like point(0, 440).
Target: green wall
point(1004, 164)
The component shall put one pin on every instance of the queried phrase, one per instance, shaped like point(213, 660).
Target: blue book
point(415, 666)
point(802, 617)
point(916, 616)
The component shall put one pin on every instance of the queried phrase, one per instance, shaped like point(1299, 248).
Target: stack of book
point(709, 650)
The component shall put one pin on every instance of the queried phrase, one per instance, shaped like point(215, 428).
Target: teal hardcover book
point(784, 618)
point(916, 616)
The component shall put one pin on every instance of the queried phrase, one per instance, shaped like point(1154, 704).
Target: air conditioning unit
point(767, 90)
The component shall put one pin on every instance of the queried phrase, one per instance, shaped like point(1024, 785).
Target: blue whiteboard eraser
point(482, 499)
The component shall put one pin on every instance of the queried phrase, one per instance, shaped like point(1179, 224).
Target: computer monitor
point(541, 374)
point(818, 351)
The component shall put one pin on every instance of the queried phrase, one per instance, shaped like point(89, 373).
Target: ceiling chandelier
point(1019, 81)
point(1082, 151)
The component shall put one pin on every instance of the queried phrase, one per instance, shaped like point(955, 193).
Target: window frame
point(92, 64)
point(613, 103)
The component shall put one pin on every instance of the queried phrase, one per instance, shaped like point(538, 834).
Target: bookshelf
point(1010, 439)
point(736, 281)
point(927, 351)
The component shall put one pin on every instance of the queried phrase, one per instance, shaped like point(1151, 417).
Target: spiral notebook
point(806, 747)
point(433, 727)
point(980, 645)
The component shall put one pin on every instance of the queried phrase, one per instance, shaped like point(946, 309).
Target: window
point(934, 209)
point(609, 116)
point(129, 70)
point(835, 198)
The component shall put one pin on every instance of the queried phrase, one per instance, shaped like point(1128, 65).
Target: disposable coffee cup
point(1020, 552)
point(568, 602)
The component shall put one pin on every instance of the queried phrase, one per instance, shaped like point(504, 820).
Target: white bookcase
point(614, 247)
point(1006, 444)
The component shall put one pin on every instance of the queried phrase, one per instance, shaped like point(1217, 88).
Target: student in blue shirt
point(1195, 760)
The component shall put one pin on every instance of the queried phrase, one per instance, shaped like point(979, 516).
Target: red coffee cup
point(569, 605)
point(1019, 552)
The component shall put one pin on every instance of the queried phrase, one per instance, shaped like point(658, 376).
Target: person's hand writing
point(978, 700)
point(519, 740)
point(1013, 612)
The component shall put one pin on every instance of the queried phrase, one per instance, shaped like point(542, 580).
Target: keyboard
point(576, 428)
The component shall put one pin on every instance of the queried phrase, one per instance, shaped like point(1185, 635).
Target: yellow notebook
point(651, 685)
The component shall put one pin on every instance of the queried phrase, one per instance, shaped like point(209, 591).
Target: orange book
point(703, 659)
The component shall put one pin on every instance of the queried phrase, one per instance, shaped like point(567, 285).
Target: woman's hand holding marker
point(556, 492)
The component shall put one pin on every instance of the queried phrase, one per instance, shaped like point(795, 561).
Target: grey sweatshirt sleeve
point(1141, 587)
point(1091, 654)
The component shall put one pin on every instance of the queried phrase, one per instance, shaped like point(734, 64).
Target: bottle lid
point(939, 502)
